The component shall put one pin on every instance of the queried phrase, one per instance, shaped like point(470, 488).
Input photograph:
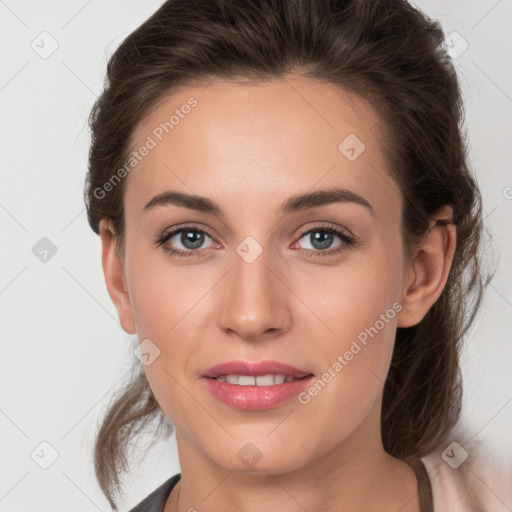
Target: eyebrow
point(295, 203)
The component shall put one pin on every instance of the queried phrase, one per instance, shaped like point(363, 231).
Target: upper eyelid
point(175, 231)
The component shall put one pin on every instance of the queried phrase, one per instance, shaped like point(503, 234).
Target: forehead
point(259, 142)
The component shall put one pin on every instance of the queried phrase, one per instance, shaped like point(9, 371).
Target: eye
point(191, 239)
point(322, 237)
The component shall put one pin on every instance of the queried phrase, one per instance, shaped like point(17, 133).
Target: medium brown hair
point(382, 50)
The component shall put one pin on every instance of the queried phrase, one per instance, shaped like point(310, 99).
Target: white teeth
point(260, 380)
point(246, 380)
point(279, 379)
point(232, 379)
point(265, 380)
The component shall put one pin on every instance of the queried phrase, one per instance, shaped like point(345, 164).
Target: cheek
point(356, 308)
point(349, 298)
point(166, 306)
point(354, 349)
point(168, 309)
point(163, 296)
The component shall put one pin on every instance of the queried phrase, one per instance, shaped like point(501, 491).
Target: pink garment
point(478, 484)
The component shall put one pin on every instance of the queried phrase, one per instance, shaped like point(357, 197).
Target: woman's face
point(266, 282)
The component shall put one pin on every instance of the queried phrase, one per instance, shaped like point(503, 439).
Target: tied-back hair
point(388, 53)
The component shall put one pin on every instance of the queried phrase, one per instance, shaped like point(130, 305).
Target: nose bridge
point(255, 295)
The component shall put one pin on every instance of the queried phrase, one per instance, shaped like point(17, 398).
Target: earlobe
point(114, 276)
point(429, 269)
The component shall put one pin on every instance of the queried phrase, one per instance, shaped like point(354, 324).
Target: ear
point(115, 280)
point(428, 269)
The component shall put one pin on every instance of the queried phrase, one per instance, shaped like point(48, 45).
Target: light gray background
point(63, 351)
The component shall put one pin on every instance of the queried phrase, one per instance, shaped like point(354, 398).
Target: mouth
point(259, 380)
point(263, 371)
point(255, 386)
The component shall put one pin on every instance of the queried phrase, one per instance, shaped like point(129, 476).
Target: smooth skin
point(249, 148)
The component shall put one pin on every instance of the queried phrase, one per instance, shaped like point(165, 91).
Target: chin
point(251, 458)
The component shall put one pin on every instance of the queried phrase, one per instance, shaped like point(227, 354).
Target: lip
point(255, 369)
point(255, 397)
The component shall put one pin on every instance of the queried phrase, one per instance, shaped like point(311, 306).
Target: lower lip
point(256, 397)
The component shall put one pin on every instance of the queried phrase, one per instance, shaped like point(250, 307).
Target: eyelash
point(348, 241)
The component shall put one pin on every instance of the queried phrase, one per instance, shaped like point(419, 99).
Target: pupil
point(187, 237)
point(316, 238)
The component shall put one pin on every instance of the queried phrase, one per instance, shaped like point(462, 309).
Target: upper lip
point(255, 369)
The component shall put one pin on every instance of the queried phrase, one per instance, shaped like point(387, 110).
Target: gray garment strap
point(155, 502)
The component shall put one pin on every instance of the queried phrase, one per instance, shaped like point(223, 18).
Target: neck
point(356, 476)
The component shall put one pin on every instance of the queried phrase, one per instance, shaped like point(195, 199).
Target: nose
point(255, 299)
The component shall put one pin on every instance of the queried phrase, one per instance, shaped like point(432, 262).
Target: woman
point(289, 226)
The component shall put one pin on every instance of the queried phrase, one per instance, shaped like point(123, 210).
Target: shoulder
point(467, 479)
point(155, 502)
